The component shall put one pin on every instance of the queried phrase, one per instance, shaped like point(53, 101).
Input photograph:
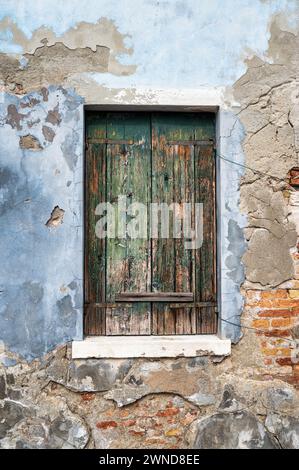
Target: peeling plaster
point(32, 183)
point(255, 125)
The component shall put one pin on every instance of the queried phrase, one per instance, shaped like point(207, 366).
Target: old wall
point(56, 57)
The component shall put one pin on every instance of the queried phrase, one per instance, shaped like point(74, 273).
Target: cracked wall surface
point(117, 55)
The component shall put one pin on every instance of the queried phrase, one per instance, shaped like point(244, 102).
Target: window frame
point(226, 129)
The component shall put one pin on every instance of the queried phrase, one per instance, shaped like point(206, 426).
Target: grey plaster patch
point(66, 311)
point(261, 265)
point(54, 116)
point(14, 118)
point(27, 431)
point(280, 399)
point(286, 428)
point(231, 401)
point(10, 191)
point(190, 379)
point(238, 430)
point(11, 413)
point(48, 133)
point(237, 248)
point(69, 149)
point(96, 375)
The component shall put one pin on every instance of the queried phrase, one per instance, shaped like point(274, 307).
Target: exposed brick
point(173, 432)
point(106, 424)
point(168, 412)
point(281, 322)
point(129, 422)
point(87, 396)
point(260, 323)
point(292, 312)
point(154, 441)
point(284, 361)
point(275, 294)
point(137, 432)
point(277, 332)
point(294, 293)
point(278, 303)
point(276, 352)
point(294, 176)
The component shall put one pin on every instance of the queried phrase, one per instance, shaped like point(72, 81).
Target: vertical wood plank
point(128, 259)
point(206, 255)
point(163, 319)
point(95, 183)
point(173, 182)
point(184, 258)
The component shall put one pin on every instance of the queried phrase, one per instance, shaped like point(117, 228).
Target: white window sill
point(150, 346)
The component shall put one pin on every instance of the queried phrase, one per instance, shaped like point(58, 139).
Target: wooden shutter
point(161, 158)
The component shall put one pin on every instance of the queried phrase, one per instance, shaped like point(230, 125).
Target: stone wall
point(176, 403)
point(49, 70)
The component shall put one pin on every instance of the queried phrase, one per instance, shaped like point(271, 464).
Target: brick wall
point(274, 314)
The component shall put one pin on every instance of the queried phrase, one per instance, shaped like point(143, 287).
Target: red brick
point(137, 432)
point(276, 352)
point(282, 322)
point(168, 412)
point(88, 396)
point(106, 424)
point(278, 303)
point(274, 294)
point(279, 313)
point(260, 324)
point(129, 422)
point(284, 361)
point(276, 332)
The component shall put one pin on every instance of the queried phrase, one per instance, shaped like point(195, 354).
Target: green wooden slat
point(128, 260)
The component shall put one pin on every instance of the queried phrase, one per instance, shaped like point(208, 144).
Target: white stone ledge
point(150, 346)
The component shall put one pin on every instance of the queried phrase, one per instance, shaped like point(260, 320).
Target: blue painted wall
point(175, 45)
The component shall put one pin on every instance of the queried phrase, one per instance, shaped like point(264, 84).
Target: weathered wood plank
point(206, 255)
point(95, 181)
point(163, 320)
point(128, 259)
point(184, 258)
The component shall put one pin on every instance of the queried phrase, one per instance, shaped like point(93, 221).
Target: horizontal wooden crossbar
point(154, 297)
point(171, 304)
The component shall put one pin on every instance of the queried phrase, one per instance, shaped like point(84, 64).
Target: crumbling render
point(50, 59)
point(29, 142)
point(52, 65)
point(56, 218)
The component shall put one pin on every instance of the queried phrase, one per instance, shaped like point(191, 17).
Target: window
point(142, 168)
